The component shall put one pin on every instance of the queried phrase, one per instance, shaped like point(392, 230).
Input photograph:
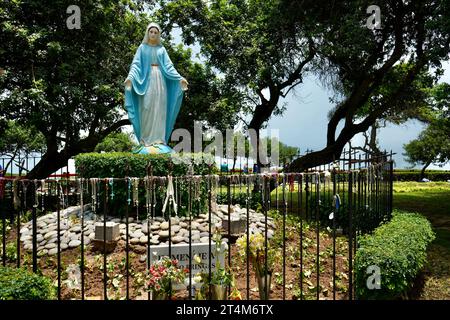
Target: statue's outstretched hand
point(127, 83)
point(184, 84)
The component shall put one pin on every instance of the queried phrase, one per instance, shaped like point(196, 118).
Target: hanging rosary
point(154, 189)
point(111, 185)
point(175, 195)
point(147, 196)
point(16, 194)
point(247, 199)
point(24, 188)
point(129, 191)
point(170, 197)
point(318, 187)
point(135, 182)
point(94, 193)
point(63, 200)
point(284, 189)
point(197, 183)
point(36, 198)
point(80, 189)
point(42, 195)
point(240, 184)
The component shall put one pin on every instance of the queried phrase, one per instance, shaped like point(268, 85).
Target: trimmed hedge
point(21, 284)
point(398, 248)
point(414, 175)
point(114, 165)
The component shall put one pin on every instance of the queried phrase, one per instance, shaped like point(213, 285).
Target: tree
point(68, 83)
point(433, 144)
point(431, 147)
point(18, 140)
point(375, 73)
point(209, 100)
point(266, 47)
point(416, 105)
point(245, 42)
point(116, 142)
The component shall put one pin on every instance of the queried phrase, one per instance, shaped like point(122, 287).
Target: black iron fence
point(254, 236)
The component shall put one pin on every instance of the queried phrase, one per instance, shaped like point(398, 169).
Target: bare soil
point(285, 282)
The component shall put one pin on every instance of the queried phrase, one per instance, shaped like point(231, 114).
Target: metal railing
point(309, 222)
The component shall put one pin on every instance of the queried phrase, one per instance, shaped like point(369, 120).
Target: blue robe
point(140, 79)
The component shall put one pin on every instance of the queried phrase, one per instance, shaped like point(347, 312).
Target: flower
point(256, 252)
point(163, 273)
point(198, 278)
point(235, 294)
point(197, 259)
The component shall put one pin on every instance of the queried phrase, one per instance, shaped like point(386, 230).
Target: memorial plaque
point(181, 253)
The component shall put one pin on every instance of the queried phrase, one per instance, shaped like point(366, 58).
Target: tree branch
point(296, 75)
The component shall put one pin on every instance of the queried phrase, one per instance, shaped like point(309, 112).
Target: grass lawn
point(432, 199)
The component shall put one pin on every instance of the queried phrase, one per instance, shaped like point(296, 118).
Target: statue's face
point(153, 34)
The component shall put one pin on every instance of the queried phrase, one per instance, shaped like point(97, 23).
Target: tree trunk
point(50, 162)
point(422, 172)
point(53, 159)
point(316, 158)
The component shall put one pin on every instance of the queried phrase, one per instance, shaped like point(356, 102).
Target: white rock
point(164, 225)
point(50, 234)
point(143, 239)
point(74, 243)
point(50, 246)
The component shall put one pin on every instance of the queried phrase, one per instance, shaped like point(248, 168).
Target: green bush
point(20, 284)
point(398, 248)
point(120, 165)
point(414, 175)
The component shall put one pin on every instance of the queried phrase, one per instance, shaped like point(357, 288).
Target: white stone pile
point(70, 228)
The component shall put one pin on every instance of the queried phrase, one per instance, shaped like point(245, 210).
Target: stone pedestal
point(237, 225)
point(112, 235)
point(112, 231)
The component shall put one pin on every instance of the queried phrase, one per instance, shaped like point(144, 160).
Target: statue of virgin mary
point(153, 93)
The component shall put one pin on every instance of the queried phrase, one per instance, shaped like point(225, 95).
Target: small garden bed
point(116, 267)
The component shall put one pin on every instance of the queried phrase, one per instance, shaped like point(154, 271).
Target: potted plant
point(257, 255)
point(163, 274)
point(221, 277)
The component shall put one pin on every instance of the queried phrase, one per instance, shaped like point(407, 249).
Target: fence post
point(391, 186)
point(34, 222)
point(58, 228)
point(350, 236)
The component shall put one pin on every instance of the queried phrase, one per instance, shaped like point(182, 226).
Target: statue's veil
point(155, 25)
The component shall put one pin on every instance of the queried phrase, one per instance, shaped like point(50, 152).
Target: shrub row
point(398, 249)
point(120, 165)
point(123, 164)
point(414, 175)
point(21, 284)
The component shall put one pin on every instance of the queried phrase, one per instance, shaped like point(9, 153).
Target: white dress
point(154, 101)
